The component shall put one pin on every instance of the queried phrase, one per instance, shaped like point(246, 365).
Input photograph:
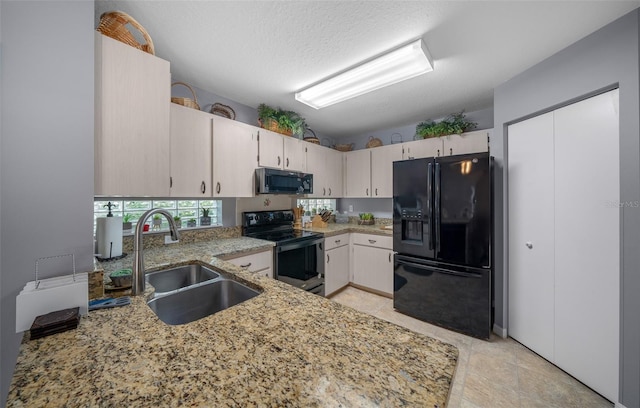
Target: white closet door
point(587, 239)
point(531, 241)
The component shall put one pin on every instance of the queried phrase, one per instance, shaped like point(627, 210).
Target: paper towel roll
point(109, 236)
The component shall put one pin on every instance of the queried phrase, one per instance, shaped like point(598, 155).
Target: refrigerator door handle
point(437, 208)
point(440, 270)
point(429, 204)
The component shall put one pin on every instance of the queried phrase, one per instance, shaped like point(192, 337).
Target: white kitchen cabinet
point(418, 149)
point(260, 263)
point(191, 166)
point(326, 165)
point(372, 265)
point(358, 173)
point(470, 142)
point(294, 154)
point(235, 158)
point(336, 263)
point(564, 239)
point(382, 159)
point(280, 152)
point(132, 95)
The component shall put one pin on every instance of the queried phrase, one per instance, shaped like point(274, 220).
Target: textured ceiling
point(265, 51)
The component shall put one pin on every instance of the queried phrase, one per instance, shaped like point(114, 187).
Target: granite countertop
point(285, 347)
point(336, 229)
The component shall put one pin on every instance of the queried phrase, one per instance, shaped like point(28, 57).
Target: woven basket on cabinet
point(115, 24)
point(373, 142)
point(188, 102)
point(274, 126)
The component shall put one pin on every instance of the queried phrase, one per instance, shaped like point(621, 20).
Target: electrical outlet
point(351, 208)
point(168, 240)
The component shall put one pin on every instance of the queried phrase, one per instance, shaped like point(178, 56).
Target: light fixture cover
point(395, 66)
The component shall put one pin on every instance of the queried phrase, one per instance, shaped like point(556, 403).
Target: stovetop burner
point(275, 226)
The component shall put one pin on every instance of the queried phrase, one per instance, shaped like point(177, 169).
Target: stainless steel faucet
point(138, 284)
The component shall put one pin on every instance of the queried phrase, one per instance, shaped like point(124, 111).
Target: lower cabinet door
point(373, 268)
point(336, 269)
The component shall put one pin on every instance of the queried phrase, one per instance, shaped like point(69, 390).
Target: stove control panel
point(258, 218)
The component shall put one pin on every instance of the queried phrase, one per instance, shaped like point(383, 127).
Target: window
point(314, 205)
point(186, 209)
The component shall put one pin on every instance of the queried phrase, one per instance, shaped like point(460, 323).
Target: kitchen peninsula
point(284, 347)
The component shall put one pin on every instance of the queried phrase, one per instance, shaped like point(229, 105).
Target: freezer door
point(459, 300)
point(463, 210)
point(413, 207)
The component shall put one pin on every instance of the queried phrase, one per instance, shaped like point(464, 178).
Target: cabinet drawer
point(254, 262)
point(336, 241)
point(378, 241)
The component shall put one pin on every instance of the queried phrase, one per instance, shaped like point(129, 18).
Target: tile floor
point(490, 374)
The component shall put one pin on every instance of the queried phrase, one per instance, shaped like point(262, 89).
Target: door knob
point(529, 245)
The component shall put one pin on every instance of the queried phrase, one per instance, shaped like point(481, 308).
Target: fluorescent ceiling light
point(395, 66)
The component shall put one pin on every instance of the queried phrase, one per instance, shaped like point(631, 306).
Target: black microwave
point(272, 181)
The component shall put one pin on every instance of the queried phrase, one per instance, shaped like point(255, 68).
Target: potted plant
point(205, 219)
point(191, 222)
point(126, 222)
point(453, 124)
point(365, 219)
point(157, 222)
point(177, 221)
point(282, 121)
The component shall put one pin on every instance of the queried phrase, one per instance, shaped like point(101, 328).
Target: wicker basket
point(115, 24)
point(188, 102)
point(223, 110)
point(311, 138)
point(343, 147)
point(274, 126)
point(373, 142)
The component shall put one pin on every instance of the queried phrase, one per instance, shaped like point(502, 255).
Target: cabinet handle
point(218, 187)
point(245, 266)
point(529, 245)
point(451, 151)
point(438, 152)
point(367, 193)
point(279, 160)
point(287, 162)
point(329, 190)
point(376, 190)
point(337, 241)
point(372, 241)
point(327, 258)
point(324, 191)
point(203, 187)
point(170, 182)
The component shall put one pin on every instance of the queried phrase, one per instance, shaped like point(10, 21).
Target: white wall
point(46, 148)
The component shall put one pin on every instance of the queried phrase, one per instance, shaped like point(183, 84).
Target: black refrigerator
point(442, 237)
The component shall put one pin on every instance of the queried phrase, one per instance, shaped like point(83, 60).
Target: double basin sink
point(188, 293)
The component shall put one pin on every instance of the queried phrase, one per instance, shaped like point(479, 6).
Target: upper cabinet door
point(294, 154)
point(419, 149)
point(190, 152)
point(358, 173)
point(317, 165)
point(382, 159)
point(270, 149)
point(235, 158)
point(470, 142)
point(334, 173)
point(132, 97)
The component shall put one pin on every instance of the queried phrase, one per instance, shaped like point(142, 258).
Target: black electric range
point(298, 257)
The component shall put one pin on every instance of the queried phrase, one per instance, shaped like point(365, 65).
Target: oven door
point(301, 264)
